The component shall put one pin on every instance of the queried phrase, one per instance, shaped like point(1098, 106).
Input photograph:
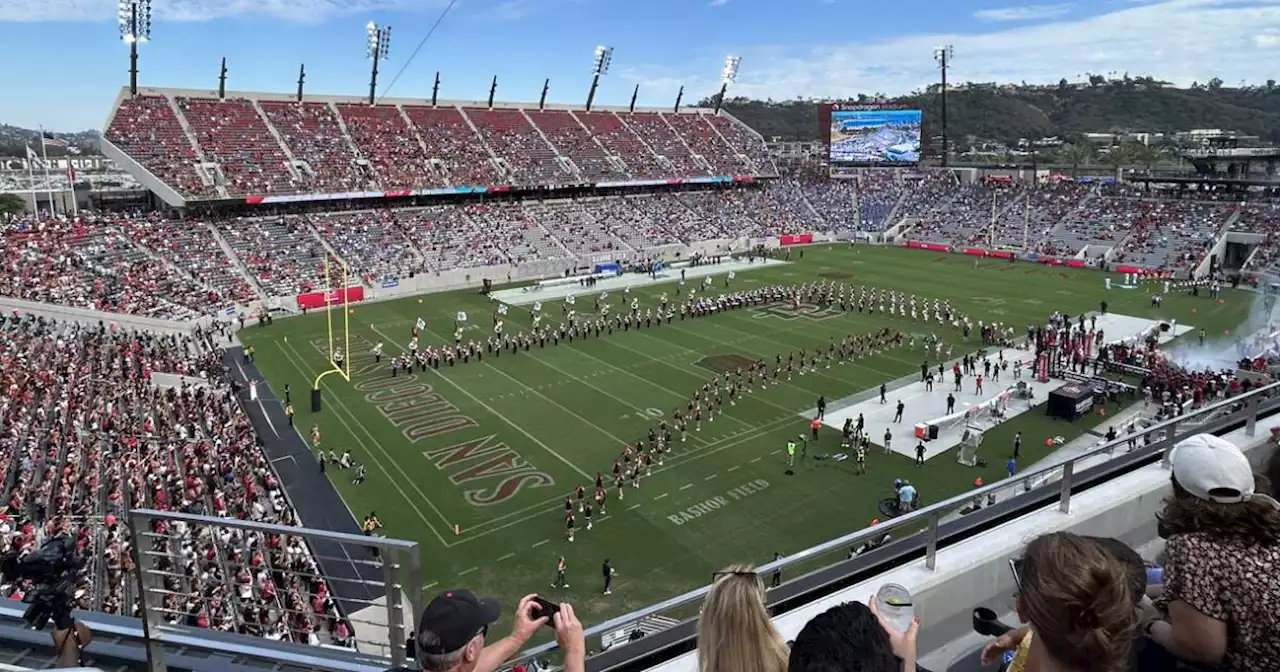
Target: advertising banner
point(974, 252)
point(1077, 263)
point(1130, 269)
point(932, 247)
point(338, 297)
point(1003, 254)
point(795, 239)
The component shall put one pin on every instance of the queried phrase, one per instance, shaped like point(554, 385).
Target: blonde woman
point(734, 632)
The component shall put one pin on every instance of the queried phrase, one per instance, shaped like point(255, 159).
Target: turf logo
point(787, 311)
point(484, 458)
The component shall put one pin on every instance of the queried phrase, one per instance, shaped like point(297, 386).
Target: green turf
point(539, 423)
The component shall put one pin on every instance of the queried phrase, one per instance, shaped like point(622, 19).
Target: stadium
point(355, 356)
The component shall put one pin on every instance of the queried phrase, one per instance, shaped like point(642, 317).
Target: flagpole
point(44, 153)
point(31, 177)
point(71, 184)
point(1026, 224)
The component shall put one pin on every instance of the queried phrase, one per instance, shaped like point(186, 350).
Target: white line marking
point(507, 557)
point(540, 543)
point(282, 459)
point(734, 467)
point(633, 506)
point(568, 410)
point(710, 477)
point(467, 571)
point(431, 585)
point(756, 460)
point(496, 414)
point(659, 496)
point(686, 486)
point(337, 401)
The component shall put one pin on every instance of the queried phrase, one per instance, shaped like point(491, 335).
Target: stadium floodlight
point(604, 56)
point(943, 56)
point(377, 48)
point(730, 73)
point(728, 76)
point(133, 18)
point(599, 66)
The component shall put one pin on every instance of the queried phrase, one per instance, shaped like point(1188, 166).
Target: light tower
point(377, 49)
point(134, 19)
point(727, 76)
point(943, 56)
point(600, 66)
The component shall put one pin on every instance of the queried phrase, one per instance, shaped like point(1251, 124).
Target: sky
point(73, 64)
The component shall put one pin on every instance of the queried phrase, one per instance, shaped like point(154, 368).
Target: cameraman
point(70, 638)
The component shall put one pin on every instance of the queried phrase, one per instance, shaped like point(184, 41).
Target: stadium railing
point(377, 583)
point(828, 568)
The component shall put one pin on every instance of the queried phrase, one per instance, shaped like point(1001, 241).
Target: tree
point(11, 204)
point(1215, 84)
point(1076, 154)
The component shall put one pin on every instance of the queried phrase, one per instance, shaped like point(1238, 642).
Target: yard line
point(496, 414)
point(543, 506)
point(686, 486)
point(431, 585)
point(633, 506)
point(734, 467)
point(506, 557)
point(710, 477)
point(756, 460)
point(624, 402)
point(711, 447)
point(540, 543)
point(659, 496)
point(566, 409)
point(467, 571)
point(351, 430)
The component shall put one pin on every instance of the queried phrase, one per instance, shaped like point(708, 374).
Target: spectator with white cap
point(1222, 576)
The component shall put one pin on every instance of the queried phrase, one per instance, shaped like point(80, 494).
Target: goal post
point(340, 337)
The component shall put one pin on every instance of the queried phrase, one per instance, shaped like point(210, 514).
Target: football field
point(493, 447)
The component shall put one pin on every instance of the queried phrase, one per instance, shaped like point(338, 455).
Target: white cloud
point(1178, 40)
point(302, 11)
point(1023, 13)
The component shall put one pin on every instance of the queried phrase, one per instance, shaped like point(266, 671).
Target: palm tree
point(1076, 154)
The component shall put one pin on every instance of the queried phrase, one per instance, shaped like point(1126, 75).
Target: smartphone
point(546, 608)
point(1014, 564)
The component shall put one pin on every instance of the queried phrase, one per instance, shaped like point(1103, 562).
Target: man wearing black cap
point(453, 628)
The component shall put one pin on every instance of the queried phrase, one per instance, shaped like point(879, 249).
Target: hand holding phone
point(547, 608)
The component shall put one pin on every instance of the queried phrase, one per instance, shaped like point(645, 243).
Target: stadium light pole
point(379, 45)
point(727, 76)
point(134, 20)
point(600, 66)
point(943, 56)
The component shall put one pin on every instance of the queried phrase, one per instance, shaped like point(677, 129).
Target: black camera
point(53, 570)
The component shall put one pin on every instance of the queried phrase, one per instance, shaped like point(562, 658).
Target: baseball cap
point(451, 619)
point(1213, 469)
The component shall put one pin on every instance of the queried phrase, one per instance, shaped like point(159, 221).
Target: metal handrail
point(403, 582)
point(930, 514)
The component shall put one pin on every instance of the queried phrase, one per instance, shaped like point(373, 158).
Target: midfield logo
point(786, 311)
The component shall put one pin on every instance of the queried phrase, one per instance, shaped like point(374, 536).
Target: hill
point(1007, 113)
point(14, 138)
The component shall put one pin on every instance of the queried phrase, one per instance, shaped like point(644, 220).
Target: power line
point(418, 48)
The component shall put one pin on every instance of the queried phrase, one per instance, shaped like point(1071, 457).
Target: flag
point(47, 138)
point(422, 324)
point(570, 299)
point(32, 156)
point(537, 306)
point(461, 317)
point(502, 309)
point(71, 174)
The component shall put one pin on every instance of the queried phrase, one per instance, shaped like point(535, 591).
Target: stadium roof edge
point(418, 102)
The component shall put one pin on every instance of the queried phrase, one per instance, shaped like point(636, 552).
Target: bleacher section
point(263, 146)
point(281, 254)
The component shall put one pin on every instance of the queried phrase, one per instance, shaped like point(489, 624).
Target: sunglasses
point(719, 575)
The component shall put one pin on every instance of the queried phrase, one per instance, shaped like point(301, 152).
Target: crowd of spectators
point(86, 435)
point(273, 146)
point(879, 190)
point(966, 217)
point(580, 233)
point(91, 263)
point(371, 242)
point(1034, 218)
point(282, 255)
point(1171, 234)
